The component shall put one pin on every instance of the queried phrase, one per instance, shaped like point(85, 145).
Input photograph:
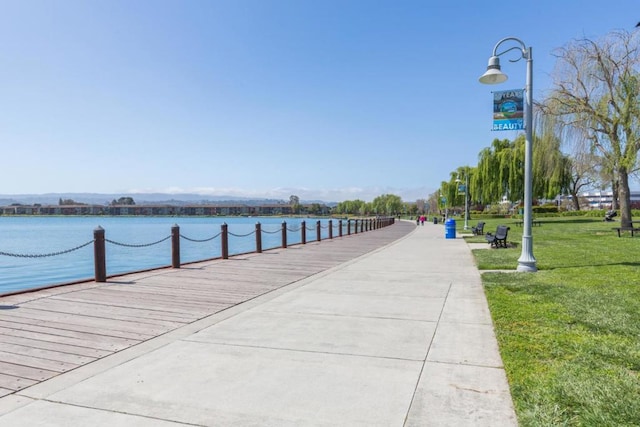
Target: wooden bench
point(631, 229)
point(500, 238)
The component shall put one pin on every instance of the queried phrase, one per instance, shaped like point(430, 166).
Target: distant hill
point(140, 199)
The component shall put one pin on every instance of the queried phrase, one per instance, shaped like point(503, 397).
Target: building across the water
point(164, 210)
point(603, 199)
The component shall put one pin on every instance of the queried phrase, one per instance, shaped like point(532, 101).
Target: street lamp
point(493, 75)
point(466, 199)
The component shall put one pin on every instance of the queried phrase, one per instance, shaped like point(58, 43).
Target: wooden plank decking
point(52, 331)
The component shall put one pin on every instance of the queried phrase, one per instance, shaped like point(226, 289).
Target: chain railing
point(134, 245)
point(51, 254)
point(200, 240)
point(99, 241)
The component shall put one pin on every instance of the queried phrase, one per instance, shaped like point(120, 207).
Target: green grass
point(569, 334)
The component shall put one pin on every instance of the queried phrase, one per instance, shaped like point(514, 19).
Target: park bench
point(478, 230)
point(499, 239)
point(534, 222)
point(631, 229)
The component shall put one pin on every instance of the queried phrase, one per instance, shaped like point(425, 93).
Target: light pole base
point(527, 267)
point(527, 262)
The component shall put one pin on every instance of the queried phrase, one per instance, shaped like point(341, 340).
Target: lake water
point(51, 235)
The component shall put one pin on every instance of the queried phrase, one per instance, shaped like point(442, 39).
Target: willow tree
point(551, 167)
point(352, 207)
point(500, 171)
point(596, 89)
point(388, 204)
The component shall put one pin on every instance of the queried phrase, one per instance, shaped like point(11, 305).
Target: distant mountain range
point(140, 199)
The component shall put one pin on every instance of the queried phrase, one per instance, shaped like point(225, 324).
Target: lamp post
point(466, 199)
point(443, 200)
point(493, 75)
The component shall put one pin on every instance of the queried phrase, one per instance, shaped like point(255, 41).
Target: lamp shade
point(493, 75)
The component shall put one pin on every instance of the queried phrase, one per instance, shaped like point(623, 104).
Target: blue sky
point(325, 99)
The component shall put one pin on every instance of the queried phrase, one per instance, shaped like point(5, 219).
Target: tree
point(67, 202)
point(294, 201)
point(315, 209)
point(582, 176)
point(551, 167)
point(500, 171)
point(596, 89)
point(410, 208)
point(387, 204)
point(123, 201)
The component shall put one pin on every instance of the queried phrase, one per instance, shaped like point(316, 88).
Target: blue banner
point(508, 110)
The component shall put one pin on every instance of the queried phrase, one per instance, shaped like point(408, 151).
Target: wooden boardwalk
point(49, 332)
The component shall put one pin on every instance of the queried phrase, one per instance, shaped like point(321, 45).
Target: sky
point(324, 99)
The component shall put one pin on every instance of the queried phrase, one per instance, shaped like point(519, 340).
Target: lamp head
point(493, 75)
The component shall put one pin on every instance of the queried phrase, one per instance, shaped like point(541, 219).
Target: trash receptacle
point(450, 228)
point(435, 219)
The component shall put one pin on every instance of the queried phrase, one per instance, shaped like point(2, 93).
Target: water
point(51, 235)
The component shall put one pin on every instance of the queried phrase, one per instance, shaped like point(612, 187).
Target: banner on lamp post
point(462, 189)
point(508, 110)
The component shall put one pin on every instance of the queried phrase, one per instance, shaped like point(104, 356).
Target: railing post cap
point(98, 228)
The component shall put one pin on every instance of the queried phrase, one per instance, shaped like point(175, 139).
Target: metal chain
point(200, 240)
point(241, 235)
point(46, 255)
point(137, 246)
point(271, 232)
point(292, 230)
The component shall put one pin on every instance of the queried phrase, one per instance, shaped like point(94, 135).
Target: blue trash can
point(450, 228)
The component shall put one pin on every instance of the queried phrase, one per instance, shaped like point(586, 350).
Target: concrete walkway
point(400, 336)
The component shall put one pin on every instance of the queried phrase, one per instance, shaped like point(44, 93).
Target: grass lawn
point(569, 334)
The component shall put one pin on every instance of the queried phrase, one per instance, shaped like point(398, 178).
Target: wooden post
point(175, 246)
point(284, 234)
point(340, 227)
point(99, 255)
point(330, 229)
point(348, 227)
point(225, 241)
point(303, 227)
point(356, 227)
point(318, 231)
point(258, 238)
